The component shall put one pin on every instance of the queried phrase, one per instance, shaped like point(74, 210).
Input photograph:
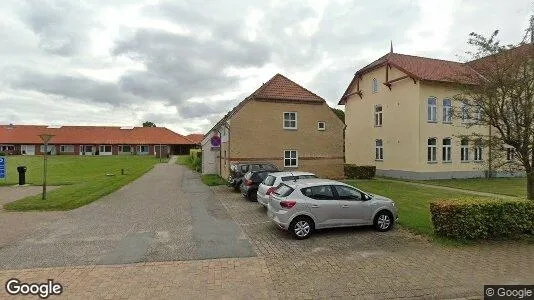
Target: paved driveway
point(167, 214)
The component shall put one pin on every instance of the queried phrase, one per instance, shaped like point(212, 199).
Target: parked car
point(274, 179)
point(237, 172)
point(250, 183)
point(309, 204)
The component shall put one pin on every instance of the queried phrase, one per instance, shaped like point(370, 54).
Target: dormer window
point(375, 85)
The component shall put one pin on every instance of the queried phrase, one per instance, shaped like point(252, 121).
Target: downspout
point(220, 153)
point(228, 130)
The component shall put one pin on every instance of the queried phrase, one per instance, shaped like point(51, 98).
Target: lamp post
point(45, 138)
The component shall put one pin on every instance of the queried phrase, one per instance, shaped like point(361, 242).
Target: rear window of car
point(260, 176)
point(269, 181)
point(288, 178)
point(307, 176)
point(269, 167)
point(283, 190)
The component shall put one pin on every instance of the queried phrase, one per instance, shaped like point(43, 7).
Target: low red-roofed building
point(195, 137)
point(93, 140)
point(280, 123)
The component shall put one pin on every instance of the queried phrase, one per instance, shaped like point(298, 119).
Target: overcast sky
point(184, 64)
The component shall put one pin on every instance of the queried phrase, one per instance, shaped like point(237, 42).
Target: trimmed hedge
point(359, 172)
point(479, 218)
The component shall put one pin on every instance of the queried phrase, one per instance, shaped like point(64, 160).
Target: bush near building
point(359, 172)
point(476, 218)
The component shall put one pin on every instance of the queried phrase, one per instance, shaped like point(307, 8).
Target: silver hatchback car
point(309, 204)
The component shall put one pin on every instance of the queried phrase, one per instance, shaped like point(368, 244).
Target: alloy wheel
point(302, 228)
point(384, 221)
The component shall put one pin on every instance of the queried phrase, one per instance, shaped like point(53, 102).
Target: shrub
point(195, 153)
point(478, 218)
point(2, 153)
point(359, 172)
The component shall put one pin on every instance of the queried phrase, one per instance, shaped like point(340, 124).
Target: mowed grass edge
point(88, 179)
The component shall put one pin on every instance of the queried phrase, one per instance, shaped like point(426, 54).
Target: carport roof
point(29, 134)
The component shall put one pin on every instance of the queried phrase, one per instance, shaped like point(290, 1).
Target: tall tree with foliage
point(149, 124)
point(501, 94)
point(340, 114)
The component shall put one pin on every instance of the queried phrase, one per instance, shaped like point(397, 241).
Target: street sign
point(3, 167)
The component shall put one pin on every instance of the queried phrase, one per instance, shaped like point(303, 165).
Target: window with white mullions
point(464, 150)
point(510, 153)
point(478, 151)
point(375, 85)
point(447, 111)
point(290, 120)
point(378, 115)
point(432, 110)
point(447, 150)
point(432, 150)
point(291, 158)
point(379, 150)
point(465, 112)
point(478, 113)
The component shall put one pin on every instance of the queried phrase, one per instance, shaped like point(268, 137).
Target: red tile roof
point(280, 87)
point(29, 134)
point(195, 137)
point(420, 68)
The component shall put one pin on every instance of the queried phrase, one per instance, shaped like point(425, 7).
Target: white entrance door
point(88, 150)
point(27, 149)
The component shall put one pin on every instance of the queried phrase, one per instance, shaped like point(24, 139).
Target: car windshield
point(283, 190)
point(269, 180)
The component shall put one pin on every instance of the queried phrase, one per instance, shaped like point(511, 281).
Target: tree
point(340, 114)
point(149, 124)
point(501, 95)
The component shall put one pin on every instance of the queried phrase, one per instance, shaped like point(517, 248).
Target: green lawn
point(189, 162)
point(212, 180)
point(84, 179)
point(505, 186)
point(413, 203)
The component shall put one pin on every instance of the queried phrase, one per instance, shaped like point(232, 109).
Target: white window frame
point(288, 156)
point(379, 115)
point(478, 114)
point(121, 149)
point(139, 147)
point(64, 148)
point(432, 110)
point(446, 149)
point(447, 111)
point(7, 147)
point(323, 128)
point(432, 150)
point(465, 112)
point(464, 150)
point(374, 86)
point(379, 150)
point(289, 120)
point(478, 151)
point(50, 147)
point(102, 149)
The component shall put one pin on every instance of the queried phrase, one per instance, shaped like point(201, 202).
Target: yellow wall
point(256, 132)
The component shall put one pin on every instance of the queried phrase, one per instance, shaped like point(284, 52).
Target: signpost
point(45, 138)
point(3, 171)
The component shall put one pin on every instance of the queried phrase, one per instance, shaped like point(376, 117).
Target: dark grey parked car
point(251, 182)
point(237, 172)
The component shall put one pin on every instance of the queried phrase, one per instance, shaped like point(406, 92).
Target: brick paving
point(350, 263)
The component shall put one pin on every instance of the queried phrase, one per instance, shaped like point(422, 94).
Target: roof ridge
point(430, 58)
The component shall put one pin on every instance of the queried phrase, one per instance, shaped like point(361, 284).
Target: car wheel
point(253, 195)
point(383, 221)
point(301, 227)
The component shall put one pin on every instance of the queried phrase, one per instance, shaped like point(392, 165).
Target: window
point(269, 180)
point(478, 151)
point(378, 115)
point(465, 112)
point(432, 110)
point(375, 85)
point(283, 190)
point(125, 148)
point(478, 113)
point(379, 150)
point(464, 150)
point(291, 158)
point(322, 192)
point(431, 150)
point(321, 126)
point(105, 148)
point(66, 148)
point(447, 111)
point(510, 153)
point(10, 148)
point(49, 149)
point(347, 193)
point(290, 120)
point(447, 147)
point(142, 148)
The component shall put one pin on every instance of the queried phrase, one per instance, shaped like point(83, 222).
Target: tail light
point(248, 182)
point(288, 203)
point(270, 190)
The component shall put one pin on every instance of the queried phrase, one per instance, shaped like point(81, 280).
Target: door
point(323, 206)
point(88, 149)
point(355, 210)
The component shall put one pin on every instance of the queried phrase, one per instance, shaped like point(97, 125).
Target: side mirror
point(367, 197)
